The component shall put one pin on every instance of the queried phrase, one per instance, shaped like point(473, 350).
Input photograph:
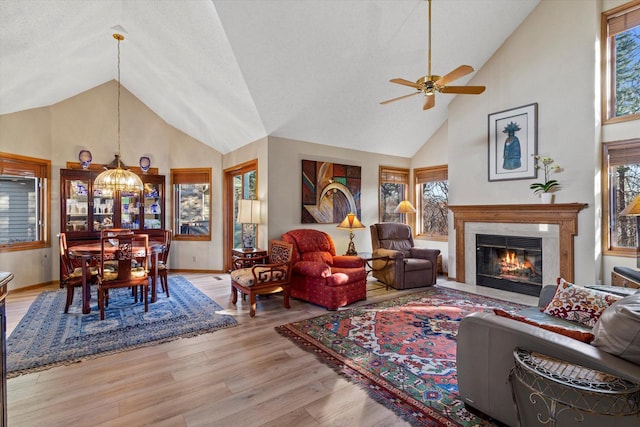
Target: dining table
point(89, 252)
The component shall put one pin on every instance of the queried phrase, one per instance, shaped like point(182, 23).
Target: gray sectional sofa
point(485, 358)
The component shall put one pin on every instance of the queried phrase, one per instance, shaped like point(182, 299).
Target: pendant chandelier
point(118, 178)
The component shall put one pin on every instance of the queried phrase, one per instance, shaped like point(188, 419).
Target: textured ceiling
point(229, 72)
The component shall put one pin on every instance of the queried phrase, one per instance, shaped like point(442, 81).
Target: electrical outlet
point(195, 259)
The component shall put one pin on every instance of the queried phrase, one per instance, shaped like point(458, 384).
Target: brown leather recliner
point(406, 266)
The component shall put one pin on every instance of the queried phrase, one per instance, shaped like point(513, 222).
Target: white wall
point(549, 60)
point(285, 194)
point(28, 133)
point(435, 153)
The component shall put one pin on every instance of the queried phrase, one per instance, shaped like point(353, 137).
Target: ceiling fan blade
point(466, 90)
point(398, 98)
point(461, 71)
point(429, 101)
point(405, 83)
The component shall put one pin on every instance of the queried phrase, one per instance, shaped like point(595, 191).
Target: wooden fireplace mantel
point(563, 214)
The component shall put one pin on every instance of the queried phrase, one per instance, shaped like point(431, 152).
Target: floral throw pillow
point(578, 304)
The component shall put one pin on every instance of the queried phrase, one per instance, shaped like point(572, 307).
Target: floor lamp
point(404, 208)
point(633, 209)
point(351, 223)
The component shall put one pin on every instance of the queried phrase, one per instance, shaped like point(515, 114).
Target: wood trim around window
point(394, 175)
point(606, 68)
point(227, 203)
point(43, 168)
point(182, 176)
point(606, 206)
point(422, 176)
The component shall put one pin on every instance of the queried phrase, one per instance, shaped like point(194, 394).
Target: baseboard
point(176, 270)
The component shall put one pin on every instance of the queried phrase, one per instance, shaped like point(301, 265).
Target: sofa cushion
point(317, 256)
point(347, 261)
point(312, 268)
point(311, 240)
point(579, 304)
point(574, 333)
point(618, 329)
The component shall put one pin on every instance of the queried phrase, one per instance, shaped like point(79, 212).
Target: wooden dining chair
point(163, 268)
point(131, 253)
point(70, 276)
point(262, 279)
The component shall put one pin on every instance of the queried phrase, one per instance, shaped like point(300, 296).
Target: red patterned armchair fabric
point(319, 275)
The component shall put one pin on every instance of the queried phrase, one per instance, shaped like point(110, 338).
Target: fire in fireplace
point(511, 263)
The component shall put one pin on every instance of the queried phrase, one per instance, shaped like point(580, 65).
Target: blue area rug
point(46, 337)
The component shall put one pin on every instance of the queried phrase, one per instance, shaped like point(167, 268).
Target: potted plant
point(549, 185)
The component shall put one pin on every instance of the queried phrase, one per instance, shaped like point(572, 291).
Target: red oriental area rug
point(402, 351)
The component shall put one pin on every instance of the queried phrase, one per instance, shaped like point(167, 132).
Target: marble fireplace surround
point(561, 222)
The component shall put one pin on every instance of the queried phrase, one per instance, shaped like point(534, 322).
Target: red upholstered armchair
point(319, 275)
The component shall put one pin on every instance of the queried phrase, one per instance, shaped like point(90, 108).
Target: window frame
point(393, 175)
point(189, 176)
point(24, 166)
point(607, 223)
point(420, 177)
point(608, 63)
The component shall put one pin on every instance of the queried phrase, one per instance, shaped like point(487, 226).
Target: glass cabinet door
point(77, 205)
point(152, 206)
point(85, 210)
point(103, 212)
point(130, 210)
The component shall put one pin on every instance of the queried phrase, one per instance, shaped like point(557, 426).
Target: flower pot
point(546, 197)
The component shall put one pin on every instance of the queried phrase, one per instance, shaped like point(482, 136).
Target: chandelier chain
point(119, 154)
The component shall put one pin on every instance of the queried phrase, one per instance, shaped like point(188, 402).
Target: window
point(192, 203)
point(394, 184)
point(621, 182)
point(621, 62)
point(24, 202)
point(432, 201)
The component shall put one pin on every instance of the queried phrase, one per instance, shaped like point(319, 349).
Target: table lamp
point(248, 216)
point(351, 223)
point(633, 209)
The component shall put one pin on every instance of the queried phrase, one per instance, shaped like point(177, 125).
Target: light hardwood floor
point(247, 375)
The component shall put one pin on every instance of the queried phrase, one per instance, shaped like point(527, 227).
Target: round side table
point(552, 392)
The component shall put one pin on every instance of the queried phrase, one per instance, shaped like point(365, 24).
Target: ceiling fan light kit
point(430, 84)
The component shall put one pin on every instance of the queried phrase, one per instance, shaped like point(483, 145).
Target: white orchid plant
point(547, 165)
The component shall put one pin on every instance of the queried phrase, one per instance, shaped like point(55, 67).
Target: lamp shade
point(405, 207)
point(249, 211)
point(633, 208)
point(350, 222)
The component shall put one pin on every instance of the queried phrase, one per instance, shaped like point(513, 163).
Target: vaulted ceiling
point(228, 72)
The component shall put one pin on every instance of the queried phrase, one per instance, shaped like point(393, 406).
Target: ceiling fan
point(430, 84)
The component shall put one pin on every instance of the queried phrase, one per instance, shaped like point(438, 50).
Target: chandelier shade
point(118, 178)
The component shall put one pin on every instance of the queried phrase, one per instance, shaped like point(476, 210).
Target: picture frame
point(513, 141)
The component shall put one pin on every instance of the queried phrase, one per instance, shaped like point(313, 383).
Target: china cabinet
point(5, 278)
point(85, 211)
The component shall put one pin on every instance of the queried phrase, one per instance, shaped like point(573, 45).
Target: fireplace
point(511, 263)
point(556, 223)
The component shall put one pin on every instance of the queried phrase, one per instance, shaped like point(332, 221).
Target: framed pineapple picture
point(513, 141)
